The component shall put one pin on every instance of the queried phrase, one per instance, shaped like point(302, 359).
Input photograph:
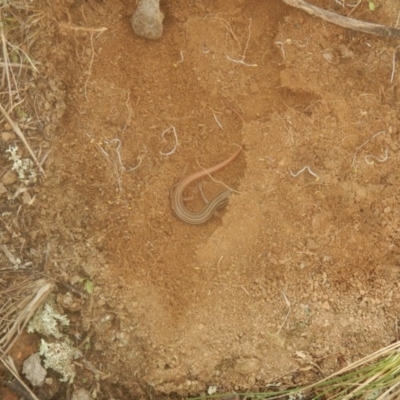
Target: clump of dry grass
point(18, 300)
point(374, 377)
point(20, 294)
point(19, 304)
point(16, 68)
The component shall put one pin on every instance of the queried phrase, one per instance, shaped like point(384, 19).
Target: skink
point(196, 218)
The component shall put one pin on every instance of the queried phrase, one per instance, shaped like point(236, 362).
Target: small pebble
point(26, 198)
point(326, 305)
point(147, 19)
point(33, 370)
point(8, 136)
point(9, 178)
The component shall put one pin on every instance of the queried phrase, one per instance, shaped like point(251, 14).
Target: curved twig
point(345, 22)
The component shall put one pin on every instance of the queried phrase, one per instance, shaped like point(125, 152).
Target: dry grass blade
point(378, 372)
point(23, 301)
point(10, 79)
point(6, 61)
point(19, 133)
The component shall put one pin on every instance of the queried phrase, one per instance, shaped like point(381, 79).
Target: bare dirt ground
point(299, 271)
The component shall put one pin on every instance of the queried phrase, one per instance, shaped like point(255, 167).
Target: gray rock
point(33, 370)
point(8, 136)
point(147, 19)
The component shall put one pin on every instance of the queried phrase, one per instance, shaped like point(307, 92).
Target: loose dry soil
point(297, 272)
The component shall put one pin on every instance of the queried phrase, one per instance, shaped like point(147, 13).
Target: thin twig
point(241, 62)
point(287, 314)
point(14, 261)
point(130, 111)
point(394, 64)
point(118, 151)
point(226, 24)
point(44, 158)
point(118, 167)
point(245, 290)
point(241, 59)
point(90, 65)
point(16, 48)
point(81, 28)
point(22, 137)
point(248, 40)
point(354, 8)
point(74, 290)
point(114, 164)
point(216, 119)
point(6, 60)
point(103, 151)
point(181, 60)
point(345, 22)
point(380, 160)
point(302, 170)
point(23, 311)
point(236, 112)
point(89, 335)
point(175, 138)
point(361, 146)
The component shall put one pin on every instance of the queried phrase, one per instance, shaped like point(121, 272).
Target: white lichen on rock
point(46, 322)
point(22, 166)
point(59, 356)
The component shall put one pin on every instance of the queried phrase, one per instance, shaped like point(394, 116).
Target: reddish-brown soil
point(297, 271)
